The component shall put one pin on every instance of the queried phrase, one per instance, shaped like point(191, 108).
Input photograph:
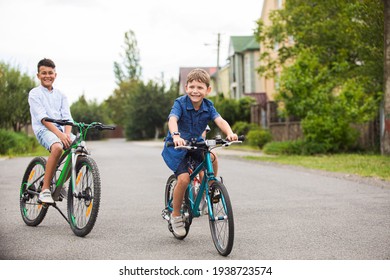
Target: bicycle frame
point(208, 176)
point(70, 158)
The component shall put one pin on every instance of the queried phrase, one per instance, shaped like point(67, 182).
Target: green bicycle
point(83, 193)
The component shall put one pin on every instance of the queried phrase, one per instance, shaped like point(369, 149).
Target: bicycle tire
point(84, 197)
point(33, 212)
point(222, 227)
point(169, 188)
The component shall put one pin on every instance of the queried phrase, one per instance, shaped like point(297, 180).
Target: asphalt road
point(280, 214)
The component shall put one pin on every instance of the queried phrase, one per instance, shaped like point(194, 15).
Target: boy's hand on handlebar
point(65, 139)
point(232, 137)
point(178, 141)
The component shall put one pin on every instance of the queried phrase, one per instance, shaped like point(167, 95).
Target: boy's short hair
point(46, 62)
point(199, 75)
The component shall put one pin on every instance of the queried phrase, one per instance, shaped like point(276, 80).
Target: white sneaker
point(45, 197)
point(178, 226)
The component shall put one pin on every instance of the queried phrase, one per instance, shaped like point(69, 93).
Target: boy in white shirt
point(48, 102)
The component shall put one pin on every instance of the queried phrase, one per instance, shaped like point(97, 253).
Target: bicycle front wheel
point(84, 197)
point(222, 222)
point(33, 212)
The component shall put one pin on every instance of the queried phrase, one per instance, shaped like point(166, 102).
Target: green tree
point(147, 110)
point(385, 130)
point(141, 108)
point(14, 89)
point(87, 112)
point(333, 71)
point(127, 74)
point(118, 102)
point(129, 68)
point(233, 110)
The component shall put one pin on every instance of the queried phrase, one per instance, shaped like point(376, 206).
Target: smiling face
point(47, 75)
point(196, 91)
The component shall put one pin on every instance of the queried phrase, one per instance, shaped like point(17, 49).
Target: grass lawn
point(39, 151)
point(366, 165)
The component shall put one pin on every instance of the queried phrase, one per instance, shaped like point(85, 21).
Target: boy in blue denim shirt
point(187, 120)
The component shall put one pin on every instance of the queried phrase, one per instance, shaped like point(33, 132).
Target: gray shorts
point(47, 138)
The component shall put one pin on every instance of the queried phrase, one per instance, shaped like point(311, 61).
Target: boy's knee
point(56, 148)
point(184, 178)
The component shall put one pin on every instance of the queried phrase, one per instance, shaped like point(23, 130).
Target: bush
point(278, 148)
point(328, 134)
point(259, 137)
point(12, 143)
point(243, 128)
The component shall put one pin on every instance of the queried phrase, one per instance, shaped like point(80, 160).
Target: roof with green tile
point(244, 43)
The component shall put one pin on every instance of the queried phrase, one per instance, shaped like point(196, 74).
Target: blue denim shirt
point(191, 124)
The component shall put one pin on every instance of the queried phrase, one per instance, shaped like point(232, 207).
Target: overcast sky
point(85, 37)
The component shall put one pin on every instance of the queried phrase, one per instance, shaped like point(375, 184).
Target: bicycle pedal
point(45, 204)
point(165, 215)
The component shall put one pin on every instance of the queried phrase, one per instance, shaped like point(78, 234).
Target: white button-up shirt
point(47, 104)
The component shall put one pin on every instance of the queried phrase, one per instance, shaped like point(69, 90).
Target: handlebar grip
point(60, 122)
point(106, 127)
point(241, 138)
point(50, 120)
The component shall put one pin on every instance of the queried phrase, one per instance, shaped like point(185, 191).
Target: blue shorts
point(191, 160)
point(47, 138)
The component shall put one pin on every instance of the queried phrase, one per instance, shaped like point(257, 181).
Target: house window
point(247, 75)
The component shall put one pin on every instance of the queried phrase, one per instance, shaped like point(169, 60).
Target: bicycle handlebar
point(97, 125)
point(60, 122)
point(216, 141)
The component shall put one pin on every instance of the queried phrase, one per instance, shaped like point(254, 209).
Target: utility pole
point(385, 112)
point(217, 73)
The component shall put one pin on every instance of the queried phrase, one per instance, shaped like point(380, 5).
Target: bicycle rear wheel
point(222, 225)
point(84, 197)
point(169, 188)
point(33, 212)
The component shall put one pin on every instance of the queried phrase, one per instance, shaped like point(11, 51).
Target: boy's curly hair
point(199, 75)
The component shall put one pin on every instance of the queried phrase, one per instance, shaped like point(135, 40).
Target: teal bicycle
point(210, 190)
point(83, 193)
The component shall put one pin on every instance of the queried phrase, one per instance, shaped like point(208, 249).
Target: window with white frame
point(247, 74)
